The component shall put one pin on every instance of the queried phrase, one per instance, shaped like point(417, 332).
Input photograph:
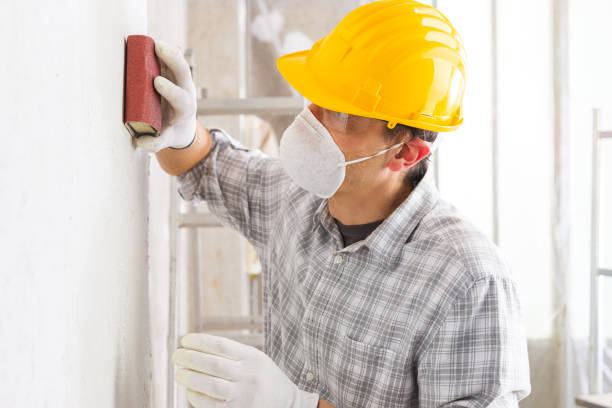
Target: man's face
point(356, 138)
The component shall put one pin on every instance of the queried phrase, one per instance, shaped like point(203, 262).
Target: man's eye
point(342, 115)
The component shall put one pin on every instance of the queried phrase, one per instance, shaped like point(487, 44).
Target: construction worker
point(377, 292)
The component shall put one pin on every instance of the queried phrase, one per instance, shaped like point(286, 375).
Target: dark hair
point(416, 173)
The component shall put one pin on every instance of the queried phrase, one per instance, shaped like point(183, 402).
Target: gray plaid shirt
point(424, 312)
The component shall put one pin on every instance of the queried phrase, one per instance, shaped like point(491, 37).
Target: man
point(377, 292)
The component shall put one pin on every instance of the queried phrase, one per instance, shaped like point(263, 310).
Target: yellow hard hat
point(396, 60)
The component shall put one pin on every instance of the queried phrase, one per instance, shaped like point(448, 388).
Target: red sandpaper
point(142, 101)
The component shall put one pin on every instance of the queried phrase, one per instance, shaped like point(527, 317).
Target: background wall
point(77, 208)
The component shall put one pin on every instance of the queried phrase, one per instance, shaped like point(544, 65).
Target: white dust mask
point(313, 160)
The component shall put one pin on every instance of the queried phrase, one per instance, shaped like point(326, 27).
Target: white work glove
point(179, 119)
point(225, 373)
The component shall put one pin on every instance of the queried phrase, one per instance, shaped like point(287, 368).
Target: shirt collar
point(397, 228)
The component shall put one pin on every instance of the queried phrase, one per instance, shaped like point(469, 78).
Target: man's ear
point(413, 151)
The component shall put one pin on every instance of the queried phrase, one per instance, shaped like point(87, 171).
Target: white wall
point(74, 289)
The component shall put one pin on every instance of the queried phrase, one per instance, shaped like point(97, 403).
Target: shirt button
point(337, 258)
point(309, 376)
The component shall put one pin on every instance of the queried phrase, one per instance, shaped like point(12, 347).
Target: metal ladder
point(192, 220)
point(228, 326)
point(596, 399)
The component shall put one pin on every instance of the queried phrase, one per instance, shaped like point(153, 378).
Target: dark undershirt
point(354, 233)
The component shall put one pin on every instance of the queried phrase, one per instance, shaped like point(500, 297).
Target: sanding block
point(142, 103)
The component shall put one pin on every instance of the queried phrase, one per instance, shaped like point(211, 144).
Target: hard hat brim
point(293, 67)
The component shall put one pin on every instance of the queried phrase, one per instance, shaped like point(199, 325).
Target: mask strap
point(432, 148)
point(369, 157)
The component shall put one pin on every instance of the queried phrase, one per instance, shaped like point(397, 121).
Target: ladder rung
point(280, 105)
point(232, 322)
point(201, 220)
point(606, 134)
point(607, 272)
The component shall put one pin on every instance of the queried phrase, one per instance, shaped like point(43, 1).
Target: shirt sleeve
point(478, 357)
point(241, 186)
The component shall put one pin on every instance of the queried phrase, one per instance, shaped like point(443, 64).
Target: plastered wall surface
point(74, 287)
